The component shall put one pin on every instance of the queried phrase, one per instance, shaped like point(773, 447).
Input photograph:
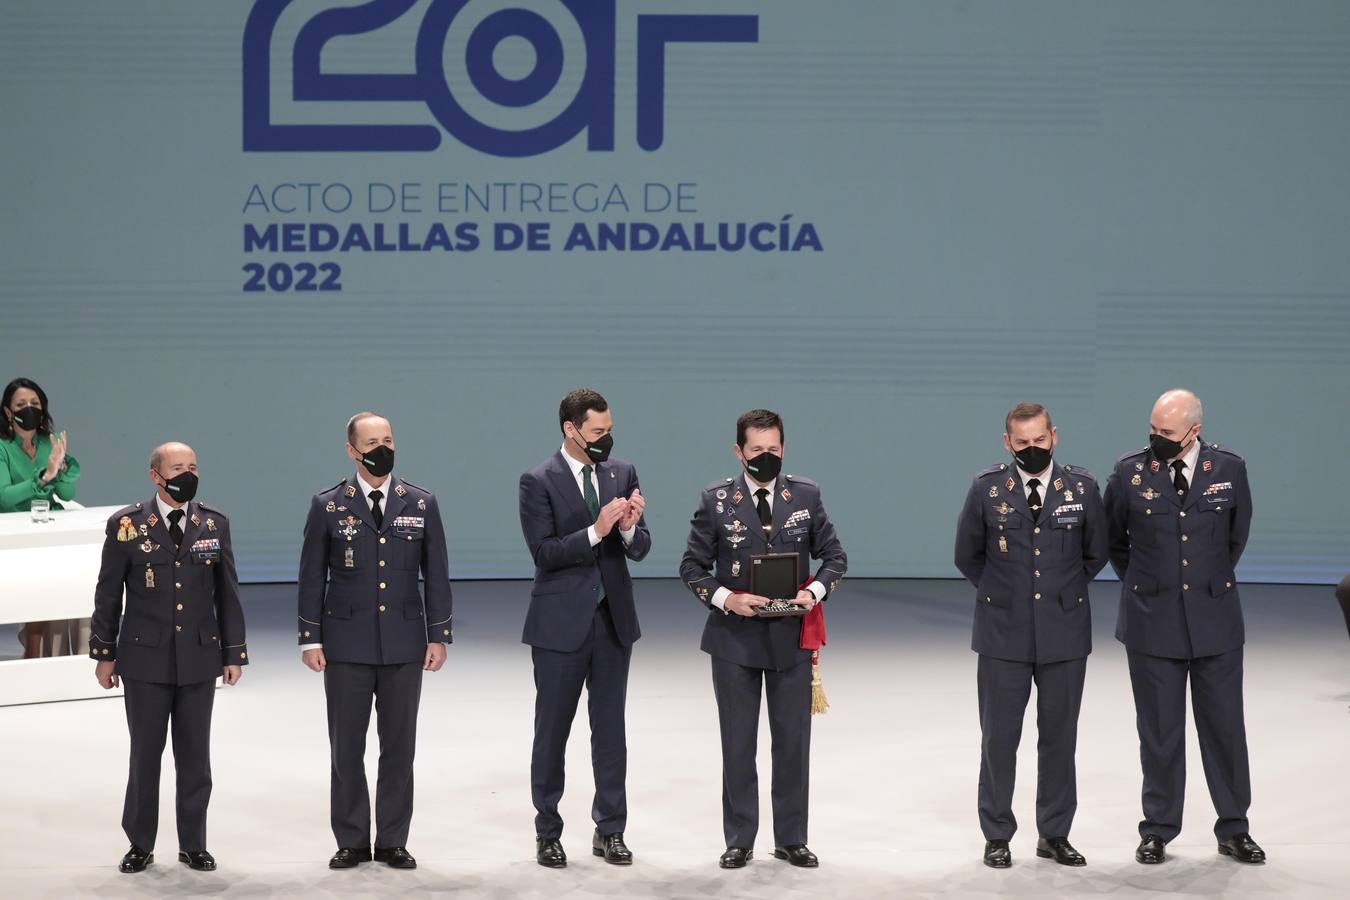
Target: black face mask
point(1033, 459)
point(765, 467)
point(28, 418)
point(181, 487)
point(598, 451)
point(378, 461)
point(1164, 448)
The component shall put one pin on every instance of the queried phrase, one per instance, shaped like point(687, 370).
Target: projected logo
point(569, 87)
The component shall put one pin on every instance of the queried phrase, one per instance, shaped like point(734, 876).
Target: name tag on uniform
point(206, 548)
point(793, 532)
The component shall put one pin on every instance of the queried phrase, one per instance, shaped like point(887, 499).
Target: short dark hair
point(758, 418)
point(1023, 411)
point(577, 405)
point(6, 426)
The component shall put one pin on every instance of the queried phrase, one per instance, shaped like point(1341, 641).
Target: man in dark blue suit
point(365, 625)
point(761, 511)
point(1179, 512)
point(181, 628)
point(581, 512)
point(1031, 538)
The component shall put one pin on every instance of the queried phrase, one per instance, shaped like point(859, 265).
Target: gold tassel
point(819, 704)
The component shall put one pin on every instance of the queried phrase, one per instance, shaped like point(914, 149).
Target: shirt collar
point(573, 463)
point(1044, 477)
point(165, 509)
point(751, 486)
point(1190, 457)
point(367, 487)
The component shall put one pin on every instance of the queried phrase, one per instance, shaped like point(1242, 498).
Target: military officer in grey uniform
point(1030, 538)
point(365, 625)
point(180, 629)
point(1179, 513)
point(760, 511)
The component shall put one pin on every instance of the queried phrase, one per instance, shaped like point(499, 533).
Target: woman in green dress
point(34, 465)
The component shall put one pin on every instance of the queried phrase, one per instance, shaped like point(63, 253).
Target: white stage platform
point(893, 771)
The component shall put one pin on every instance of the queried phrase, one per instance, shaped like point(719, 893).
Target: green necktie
point(588, 489)
point(593, 504)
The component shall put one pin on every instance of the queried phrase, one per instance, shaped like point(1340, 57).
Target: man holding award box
point(742, 532)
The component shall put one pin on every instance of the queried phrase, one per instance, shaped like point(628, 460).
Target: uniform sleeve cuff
point(441, 632)
point(719, 598)
point(817, 590)
point(235, 656)
point(308, 634)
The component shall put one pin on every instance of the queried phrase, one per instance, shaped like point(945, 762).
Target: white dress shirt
point(577, 466)
point(1190, 458)
point(165, 509)
point(366, 488)
point(1042, 477)
point(719, 597)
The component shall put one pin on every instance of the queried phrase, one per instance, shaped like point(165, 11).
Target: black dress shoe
point(1242, 848)
point(612, 848)
point(797, 855)
point(349, 857)
point(135, 860)
point(1060, 850)
point(197, 859)
point(549, 853)
point(735, 858)
point(395, 857)
point(997, 855)
point(1151, 850)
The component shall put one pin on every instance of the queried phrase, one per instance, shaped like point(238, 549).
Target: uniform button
point(208, 562)
point(178, 564)
point(1068, 528)
point(381, 540)
point(1038, 596)
point(1185, 587)
point(1135, 588)
point(1148, 512)
point(410, 537)
point(1036, 530)
point(986, 600)
point(1183, 513)
point(243, 655)
point(306, 634)
point(180, 607)
point(1080, 599)
point(1228, 584)
point(178, 585)
point(381, 564)
point(1038, 573)
point(382, 588)
point(178, 628)
point(447, 631)
point(105, 651)
point(1038, 551)
point(1185, 538)
point(1185, 562)
point(1000, 528)
point(381, 608)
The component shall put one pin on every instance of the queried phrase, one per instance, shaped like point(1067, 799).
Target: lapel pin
point(1009, 484)
point(398, 489)
point(350, 492)
point(787, 495)
point(1153, 466)
point(1207, 465)
point(195, 520)
point(1059, 484)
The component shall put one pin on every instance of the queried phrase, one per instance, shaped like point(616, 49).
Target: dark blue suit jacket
point(568, 571)
point(182, 622)
point(1176, 558)
point(725, 533)
point(1031, 577)
point(358, 591)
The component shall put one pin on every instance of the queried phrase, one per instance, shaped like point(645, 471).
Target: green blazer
point(20, 476)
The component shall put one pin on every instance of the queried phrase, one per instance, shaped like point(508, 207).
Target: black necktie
point(1034, 498)
point(375, 512)
point(762, 504)
point(588, 493)
point(1179, 480)
point(175, 527)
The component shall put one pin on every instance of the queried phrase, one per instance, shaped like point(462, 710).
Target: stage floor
point(893, 770)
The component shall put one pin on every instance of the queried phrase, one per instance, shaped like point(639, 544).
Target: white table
point(48, 571)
